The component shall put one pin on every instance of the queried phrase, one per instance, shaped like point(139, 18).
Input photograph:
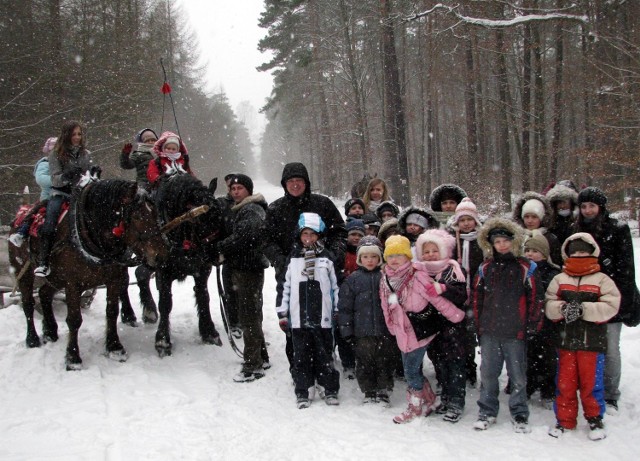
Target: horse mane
point(103, 201)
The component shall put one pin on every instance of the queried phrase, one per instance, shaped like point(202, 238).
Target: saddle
point(38, 213)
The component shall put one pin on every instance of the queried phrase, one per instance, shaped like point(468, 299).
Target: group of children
point(404, 268)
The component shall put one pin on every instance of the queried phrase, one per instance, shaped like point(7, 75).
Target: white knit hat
point(466, 208)
point(533, 206)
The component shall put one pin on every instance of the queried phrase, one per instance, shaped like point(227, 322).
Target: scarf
point(580, 266)
point(172, 156)
point(373, 205)
point(399, 279)
point(435, 268)
point(466, 248)
point(309, 253)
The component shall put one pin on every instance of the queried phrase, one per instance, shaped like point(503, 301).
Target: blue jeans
point(495, 353)
point(412, 363)
point(613, 362)
point(54, 207)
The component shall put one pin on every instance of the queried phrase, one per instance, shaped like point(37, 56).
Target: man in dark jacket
point(282, 220)
point(242, 251)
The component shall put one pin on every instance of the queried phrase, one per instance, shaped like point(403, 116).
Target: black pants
point(248, 293)
point(542, 363)
point(313, 361)
point(375, 360)
point(230, 295)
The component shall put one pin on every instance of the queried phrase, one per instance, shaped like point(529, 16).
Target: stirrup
point(42, 271)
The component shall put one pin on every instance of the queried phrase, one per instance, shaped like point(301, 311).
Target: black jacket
point(242, 249)
point(359, 309)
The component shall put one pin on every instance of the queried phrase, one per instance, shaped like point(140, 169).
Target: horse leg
point(74, 321)
point(208, 331)
point(49, 323)
point(114, 348)
point(165, 304)
point(149, 309)
point(127, 315)
point(28, 306)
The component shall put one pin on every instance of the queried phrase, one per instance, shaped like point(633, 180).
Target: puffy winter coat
point(138, 159)
point(242, 249)
point(66, 173)
point(309, 303)
point(414, 299)
point(159, 165)
point(43, 178)
point(359, 308)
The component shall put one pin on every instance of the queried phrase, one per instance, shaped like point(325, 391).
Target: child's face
point(466, 224)
point(386, 215)
point(414, 229)
point(376, 192)
point(589, 210)
point(531, 221)
point(369, 261)
point(371, 230)
point(579, 254)
point(503, 245)
point(354, 238)
point(170, 148)
point(430, 252)
point(308, 237)
point(448, 205)
point(563, 205)
point(148, 138)
point(533, 255)
point(395, 261)
point(355, 210)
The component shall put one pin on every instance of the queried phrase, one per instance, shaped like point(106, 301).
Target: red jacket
point(159, 165)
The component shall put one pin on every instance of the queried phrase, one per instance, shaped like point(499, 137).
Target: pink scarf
point(435, 268)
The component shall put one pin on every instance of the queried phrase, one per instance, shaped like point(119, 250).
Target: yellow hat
point(397, 245)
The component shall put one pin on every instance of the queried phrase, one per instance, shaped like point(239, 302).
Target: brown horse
point(110, 226)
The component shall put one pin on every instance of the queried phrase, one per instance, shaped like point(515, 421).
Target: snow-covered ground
point(187, 407)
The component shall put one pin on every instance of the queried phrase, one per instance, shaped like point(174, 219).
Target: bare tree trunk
point(557, 102)
point(395, 136)
point(470, 108)
point(503, 133)
point(540, 137)
point(526, 108)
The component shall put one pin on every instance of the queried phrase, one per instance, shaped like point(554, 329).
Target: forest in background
point(499, 96)
point(98, 62)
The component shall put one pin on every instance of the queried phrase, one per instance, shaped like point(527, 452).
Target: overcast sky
point(228, 33)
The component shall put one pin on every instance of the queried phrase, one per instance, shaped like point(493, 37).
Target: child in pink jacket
point(407, 287)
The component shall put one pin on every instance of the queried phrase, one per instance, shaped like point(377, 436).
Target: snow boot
point(611, 407)
point(453, 415)
point(369, 397)
point(415, 401)
point(521, 424)
point(303, 402)
point(596, 428)
point(483, 422)
point(382, 397)
point(430, 398)
point(331, 399)
point(557, 431)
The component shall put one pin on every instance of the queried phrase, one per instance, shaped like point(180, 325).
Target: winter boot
point(414, 409)
point(382, 396)
point(483, 422)
point(46, 243)
point(557, 431)
point(430, 398)
point(16, 239)
point(596, 428)
point(521, 424)
point(611, 407)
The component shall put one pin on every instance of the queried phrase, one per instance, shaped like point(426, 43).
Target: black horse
point(110, 226)
point(192, 252)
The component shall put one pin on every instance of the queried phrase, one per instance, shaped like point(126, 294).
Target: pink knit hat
point(49, 144)
point(466, 208)
point(441, 238)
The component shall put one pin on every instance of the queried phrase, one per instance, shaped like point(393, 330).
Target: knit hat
point(387, 206)
point(418, 219)
point(593, 195)
point(355, 225)
point(244, 180)
point(369, 245)
point(466, 208)
point(533, 206)
point(311, 221)
point(387, 228)
point(49, 144)
point(579, 245)
point(397, 245)
point(171, 140)
point(351, 202)
point(139, 136)
point(538, 242)
point(500, 232)
point(442, 239)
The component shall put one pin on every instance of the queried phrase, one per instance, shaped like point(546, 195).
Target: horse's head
point(141, 231)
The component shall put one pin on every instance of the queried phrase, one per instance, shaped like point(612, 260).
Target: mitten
point(71, 174)
point(284, 324)
point(571, 311)
point(95, 171)
point(127, 149)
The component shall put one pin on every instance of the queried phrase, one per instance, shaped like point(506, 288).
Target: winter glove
point(284, 324)
point(571, 311)
point(127, 149)
point(72, 174)
point(95, 171)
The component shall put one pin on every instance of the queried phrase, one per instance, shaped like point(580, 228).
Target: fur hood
point(560, 192)
point(431, 220)
point(255, 198)
point(435, 198)
point(517, 209)
point(581, 236)
point(483, 235)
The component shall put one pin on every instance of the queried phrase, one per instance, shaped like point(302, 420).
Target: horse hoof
point(33, 342)
point(73, 364)
point(213, 339)
point(118, 356)
point(132, 323)
point(150, 318)
point(163, 348)
point(49, 338)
